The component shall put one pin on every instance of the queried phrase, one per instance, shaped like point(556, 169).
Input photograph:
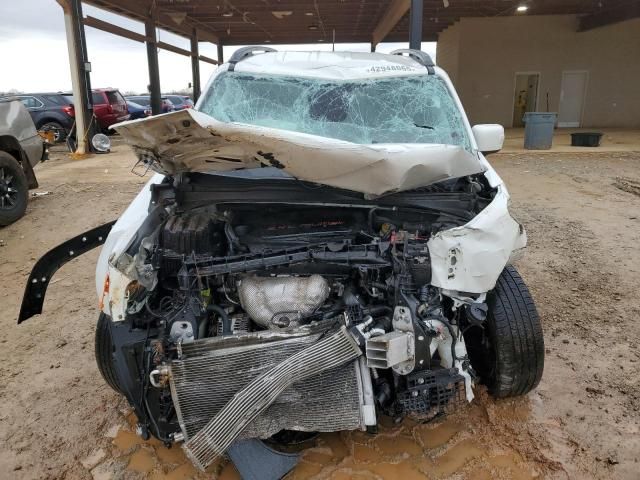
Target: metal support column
point(80, 73)
point(195, 65)
point(415, 22)
point(152, 59)
point(220, 53)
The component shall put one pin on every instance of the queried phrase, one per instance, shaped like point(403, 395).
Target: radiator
point(212, 371)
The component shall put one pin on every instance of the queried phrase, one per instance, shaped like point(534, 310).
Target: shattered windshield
point(411, 109)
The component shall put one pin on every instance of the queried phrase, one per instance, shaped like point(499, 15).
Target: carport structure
point(272, 22)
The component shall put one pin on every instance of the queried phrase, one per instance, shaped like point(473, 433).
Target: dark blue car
point(137, 111)
point(145, 101)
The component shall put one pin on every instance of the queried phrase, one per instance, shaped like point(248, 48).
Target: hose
point(375, 310)
point(454, 339)
point(226, 321)
point(375, 332)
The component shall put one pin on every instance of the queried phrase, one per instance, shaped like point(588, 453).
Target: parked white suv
point(323, 241)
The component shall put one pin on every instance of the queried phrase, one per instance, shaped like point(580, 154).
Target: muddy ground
point(58, 420)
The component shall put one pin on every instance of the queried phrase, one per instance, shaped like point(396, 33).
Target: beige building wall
point(483, 55)
point(448, 51)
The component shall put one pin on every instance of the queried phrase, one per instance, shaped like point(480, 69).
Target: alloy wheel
point(8, 192)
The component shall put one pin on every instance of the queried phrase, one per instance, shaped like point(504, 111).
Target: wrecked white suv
point(323, 243)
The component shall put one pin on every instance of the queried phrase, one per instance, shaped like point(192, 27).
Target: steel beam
point(397, 9)
point(80, 74)
point(195, 66)
point(114, 29)
point(137, 37)
point(220, 53)
point(139, 10)
point(173, 48)
point(610, 16)
point(152, 60)
point(415, 24)
point(208, 60)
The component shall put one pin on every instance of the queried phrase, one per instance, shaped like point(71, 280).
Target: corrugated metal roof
point(244, 22)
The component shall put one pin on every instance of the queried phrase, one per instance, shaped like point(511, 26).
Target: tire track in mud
point(463, 445)
point(485, 440)
point(591, 304)
point(592, 355)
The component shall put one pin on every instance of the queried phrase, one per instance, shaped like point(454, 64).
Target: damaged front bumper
point(469, 259)
point(51, 262)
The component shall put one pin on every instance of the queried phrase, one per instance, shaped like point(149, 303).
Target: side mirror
point(489, 137)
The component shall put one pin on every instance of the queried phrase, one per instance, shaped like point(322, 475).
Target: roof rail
point(419, 56)
point(246, 52)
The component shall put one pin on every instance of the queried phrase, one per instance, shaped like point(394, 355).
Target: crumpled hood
point(189, 141)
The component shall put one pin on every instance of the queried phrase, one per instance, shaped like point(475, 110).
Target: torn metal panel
point(110, 282)
point(189, 140)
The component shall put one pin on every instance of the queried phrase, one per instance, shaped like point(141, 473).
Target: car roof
point(143, 96)
point(36, 94)
point(93, 90)
point(331, 65)
point(136, 104)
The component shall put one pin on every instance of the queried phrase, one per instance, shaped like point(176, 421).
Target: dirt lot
point(59, 420)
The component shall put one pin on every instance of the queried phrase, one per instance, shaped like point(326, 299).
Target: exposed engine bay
point(228, 293)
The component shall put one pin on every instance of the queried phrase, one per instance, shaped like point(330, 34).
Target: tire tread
point(8, 216)
point(104, 352)
point(517, 337)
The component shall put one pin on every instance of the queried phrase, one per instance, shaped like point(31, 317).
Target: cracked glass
point(410, 109)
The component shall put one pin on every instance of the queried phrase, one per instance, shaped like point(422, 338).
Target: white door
point(572, 92)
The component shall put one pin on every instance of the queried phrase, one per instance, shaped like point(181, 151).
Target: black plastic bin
point(586, 139)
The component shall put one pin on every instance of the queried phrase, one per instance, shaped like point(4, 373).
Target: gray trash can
point(538, 130)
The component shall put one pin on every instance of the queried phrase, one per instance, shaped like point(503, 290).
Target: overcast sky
point(34, 52)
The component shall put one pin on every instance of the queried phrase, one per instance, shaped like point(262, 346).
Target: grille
point(433, 392)
point(213, 371)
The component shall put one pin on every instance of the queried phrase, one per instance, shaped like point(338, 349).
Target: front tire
point(14, 190)
point(508, 353)
point(104, 352)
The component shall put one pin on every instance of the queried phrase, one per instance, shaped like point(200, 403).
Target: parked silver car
point(21, 148)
